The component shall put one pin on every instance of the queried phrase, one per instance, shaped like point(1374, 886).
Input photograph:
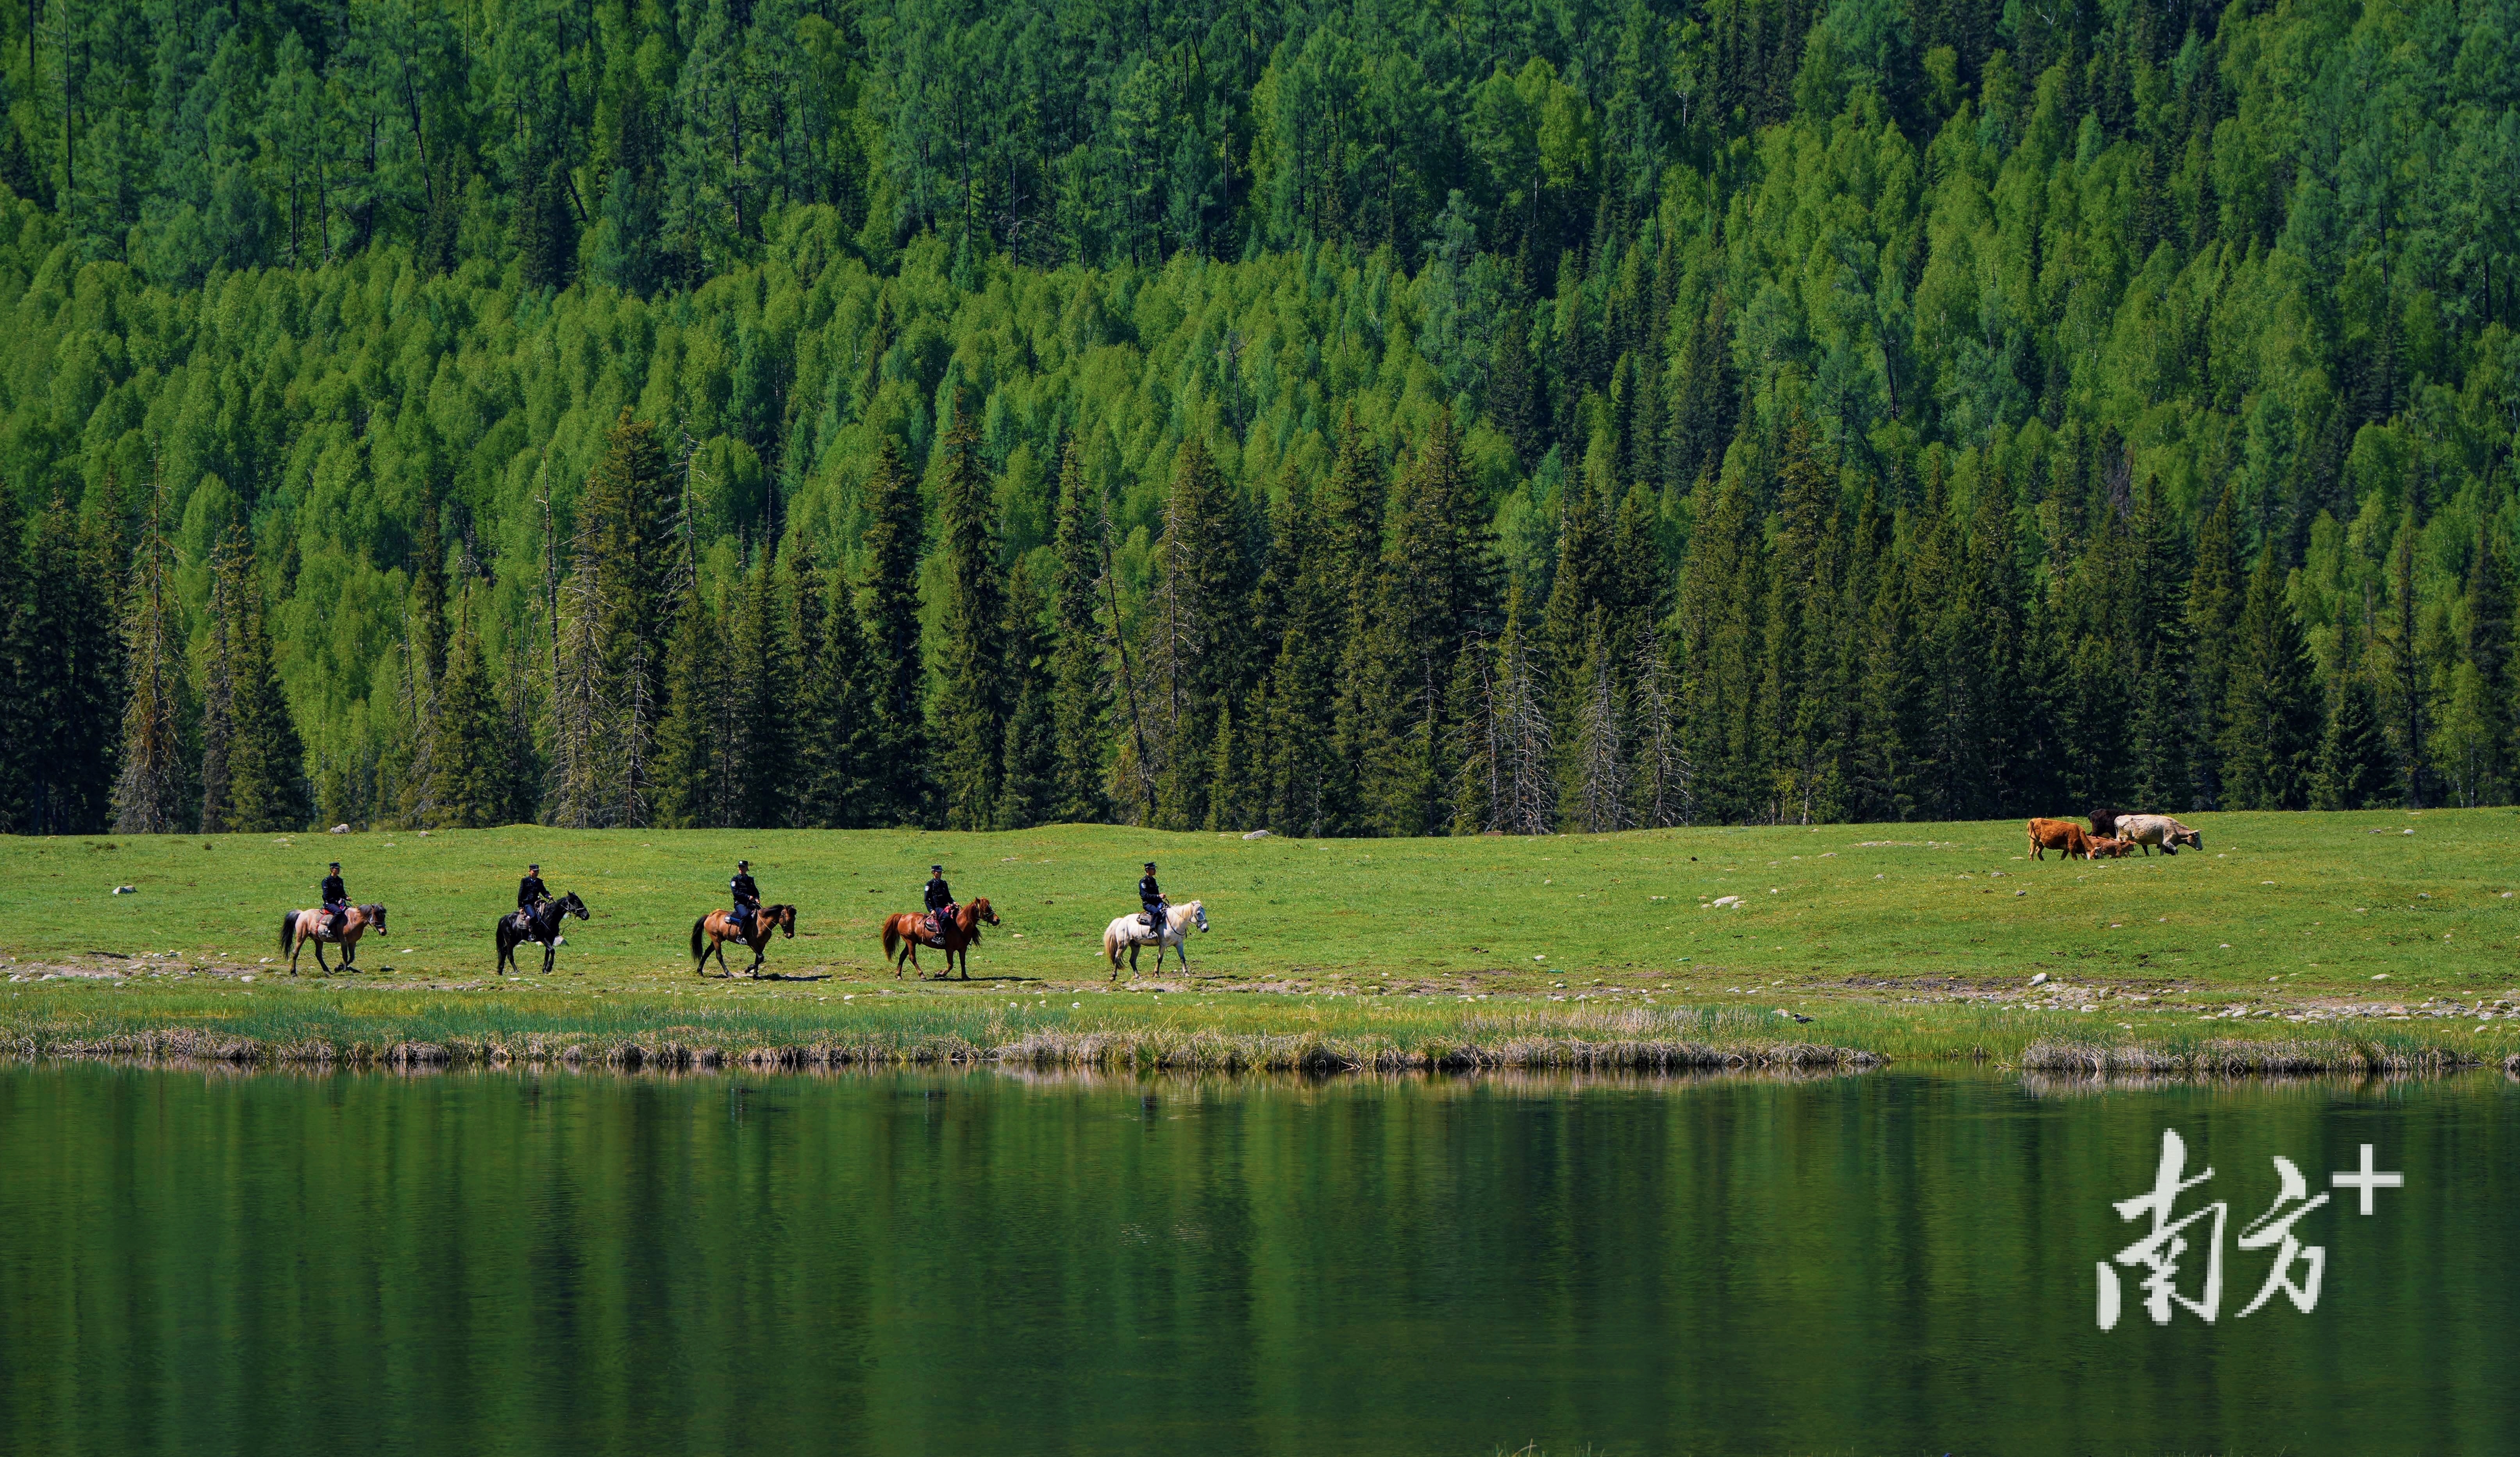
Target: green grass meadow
point(1911, 939)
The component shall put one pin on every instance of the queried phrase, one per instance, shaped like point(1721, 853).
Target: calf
point(2058, 834)
point(2149, 830)
point(2103, 845)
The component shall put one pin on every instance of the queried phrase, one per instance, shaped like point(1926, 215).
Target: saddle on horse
point(935, 927)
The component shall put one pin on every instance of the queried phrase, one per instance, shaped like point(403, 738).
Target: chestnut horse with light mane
point(298, 928)
point(711, 933)
point(906, 932)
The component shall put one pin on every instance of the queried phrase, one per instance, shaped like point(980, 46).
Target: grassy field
point(1909, 941)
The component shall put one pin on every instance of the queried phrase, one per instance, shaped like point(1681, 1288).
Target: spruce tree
point(1597, 788)
point(1027, 775)
point(629, 569)
point(150, 794)
point(1079, 705)
point(759, 751)
point(2270, 736)
point(219, 689)
point(1351, 511)
point(428, 596)
point(2476, 721)
point(469, 762)
point(970, 710)
point(1296, 760)
point(2402, 670)
point(896, 678)
point(2215, 594)
point(21, 734)
point(266, 760)
point(690, 760)
point(1194, 646)
point(75, 700)
point(836, 726)
point(1799, 684)
point(1437, 590)
point(2353, 766)
point(1718, 653)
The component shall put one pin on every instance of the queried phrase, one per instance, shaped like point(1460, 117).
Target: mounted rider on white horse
point(1155, 925)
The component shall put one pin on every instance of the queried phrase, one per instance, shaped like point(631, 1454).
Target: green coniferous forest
point(1379, 418)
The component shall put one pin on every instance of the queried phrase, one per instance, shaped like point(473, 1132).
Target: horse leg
point(551, 954)
point(320, 963)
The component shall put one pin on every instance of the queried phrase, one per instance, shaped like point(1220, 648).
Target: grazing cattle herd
point(2111, 835)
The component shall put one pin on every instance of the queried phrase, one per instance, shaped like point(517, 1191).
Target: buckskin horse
point(906, 932)
point(711, 933)
point(541, 924)
point(298, 928)
point(1131, 932)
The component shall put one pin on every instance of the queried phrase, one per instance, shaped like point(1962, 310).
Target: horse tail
point(1111, 945)
point(695, 937)
point(288, 928)
point(891, 937)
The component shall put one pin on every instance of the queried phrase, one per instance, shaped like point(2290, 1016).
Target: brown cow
point(2103, 845)
point(2058, 834)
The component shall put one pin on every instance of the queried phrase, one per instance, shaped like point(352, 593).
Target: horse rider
point(747, 897)
point(336, 900)
point(940, 901)
point(530, 893)
point(1150, 899)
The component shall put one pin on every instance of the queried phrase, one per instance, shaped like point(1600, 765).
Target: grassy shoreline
point(2370, 941)
point(354, 1026)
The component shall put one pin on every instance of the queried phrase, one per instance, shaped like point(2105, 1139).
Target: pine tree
point(1597, 791)
point(218, 688)
point(2271, 736)
point(629, 570)
point(428, 596)
point(1351, 510)
point(1718, 653)
point(266, 760)
point(759, 750)
point(20, 733)
point(1028, 774)
point(971, 711)
point(1079, 704)
point(2353, 765)
point(148, 795)
point(2475, 721)
point(1798, 681)
point(835, 740)
point(75, 700)
point(897, 677)
point(470, 761)
point(2402, 670)
point(1437, 590)
point(693, 780)
point(1193, 645)
point(1663, 784)
point(2215, 594)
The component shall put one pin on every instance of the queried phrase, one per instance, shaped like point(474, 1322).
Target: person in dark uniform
point(336, 900)
point(940, 900)
point(748, 895)
point(1151, 897)
point(530, 893)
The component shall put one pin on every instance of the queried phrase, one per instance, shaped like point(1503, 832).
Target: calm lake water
point(1898, 1262)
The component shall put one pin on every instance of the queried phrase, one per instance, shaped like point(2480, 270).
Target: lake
point(207, 1261)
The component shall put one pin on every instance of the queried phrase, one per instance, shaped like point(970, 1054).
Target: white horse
point(1131, 932)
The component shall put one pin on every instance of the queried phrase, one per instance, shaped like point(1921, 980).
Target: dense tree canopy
point(1350, 419)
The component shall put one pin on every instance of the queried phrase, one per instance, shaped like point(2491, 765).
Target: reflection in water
point(1064, 1261)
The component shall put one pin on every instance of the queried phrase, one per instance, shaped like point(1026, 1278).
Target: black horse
point(541, 924)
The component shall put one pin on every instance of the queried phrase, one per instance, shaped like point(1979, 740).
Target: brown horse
point(711, 933)
point(298, 928)
point(905, 933)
